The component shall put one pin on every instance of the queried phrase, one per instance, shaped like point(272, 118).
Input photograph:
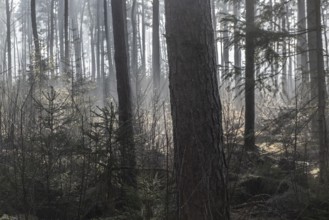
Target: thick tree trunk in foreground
point(126, 135)
point(318, 87)
point(196, 111)
point(249, 130)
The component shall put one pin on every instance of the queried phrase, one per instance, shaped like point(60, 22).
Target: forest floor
point(276, 184)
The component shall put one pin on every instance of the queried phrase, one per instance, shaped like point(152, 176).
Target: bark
point(249, 133)
point(36, 42)
point(302, 50)
point(284, 53)
point(237, 51)
point(108, 41)
point(61, 35)
point(92, 44)
point(196, 111)
point(214, 24)
point(134, 49)
point(77, 47)
point(126, 134)
point(318, 88)
point(156, 49)
point(143, 39)
point(226, 60)
point(66, 38)
point(9, 66)
point(98, 46)
point(51, 39)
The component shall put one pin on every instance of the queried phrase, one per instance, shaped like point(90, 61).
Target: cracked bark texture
point(196, 110)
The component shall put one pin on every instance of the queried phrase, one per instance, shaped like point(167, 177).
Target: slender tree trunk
point(134, 50)
point(51, 39)
point(143, 39)
point(108, 41)
point(226, 56)
point(61, 36)
point(302, 50)
point(318, 87)
point(77, 47)
point(237, 51)
point(98, 37)
point(92, 45)
point(36, 41)
point(249, 132)
point(9, 66)
point(196, 111)
point(66, 38)
point(214, 25)
point(126, 134)
point(156, 68)
point(284, 53)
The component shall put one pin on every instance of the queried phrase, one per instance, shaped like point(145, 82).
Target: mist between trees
point(164, 109)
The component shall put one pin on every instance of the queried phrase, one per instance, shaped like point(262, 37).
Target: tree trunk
point(98, 37)
point(134, 50)
point(37, 51)
point(66, 38)
point(196, 111)
point(156, 49)
point(51, 39)
point(302, 50)
point(9, 66)
point(318, 88)
point(61, 36)
point(225, 44)
point(92, 44)
point(126, 134)
point(77, 47)
point(249, 132)
point(108, 41)
point(284, 76)
point(237, 51)
point(143, 40)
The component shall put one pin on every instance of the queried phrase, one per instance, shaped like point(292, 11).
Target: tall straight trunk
point(302, 50)
point(134, 49)
point(196, 111)
point(143, 39)
point(237, 51)
point(66, 38)
point(83, 60)
point(249, 130)
point(9, 66)
point(97, 44)
point(290, 83)
point(214, 25)
point(156, 68)
point(126, 134)
point(61, 35)
point(36, 41)
point(325, 28)
point(318, 87)
point(92, 45)
point(24, 38)
point(51, 39)
point(103, 72)
point(108, 40)
point(226, 57)
point(77, 46)
point(284, 53)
